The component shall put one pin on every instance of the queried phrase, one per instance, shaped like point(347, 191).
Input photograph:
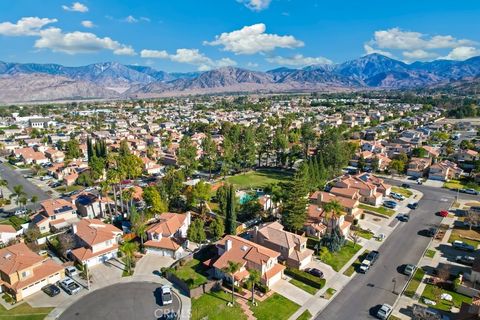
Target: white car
point(166, 295)
point(384, 311)
point(71, 271)
point(20, 212)
point(365, 266)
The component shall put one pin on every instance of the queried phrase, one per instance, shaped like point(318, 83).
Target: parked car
point(384, 311)
point(20, 212)
point(373, 256)
point(70, 286)
point(397, 196)
point(467, 260)
point(470, 191)
point(405, 185)
point(443, 213)
point(315, 272)
point(460, 245)
point(432, 232)
point(419, 181)
point(390, 204)
point(409, 269)
point(71, 271)
point(413, 206)
point(166, 295)
point(51, 290)
point(404, 217)
point(172, 315)
point(366, 264)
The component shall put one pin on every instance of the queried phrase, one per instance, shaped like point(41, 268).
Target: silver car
point(384, 311)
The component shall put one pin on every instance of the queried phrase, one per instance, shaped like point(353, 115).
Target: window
point(25, 274)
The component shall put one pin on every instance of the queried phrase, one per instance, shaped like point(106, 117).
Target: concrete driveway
point(328, 272)
point(291, 292)
point(151, 263)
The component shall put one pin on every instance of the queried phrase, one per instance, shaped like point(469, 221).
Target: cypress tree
point(230, 214)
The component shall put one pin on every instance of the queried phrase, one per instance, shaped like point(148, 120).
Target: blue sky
point(189, 35)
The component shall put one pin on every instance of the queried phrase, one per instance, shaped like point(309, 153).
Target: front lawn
point(471, 237)
point(356, 264)
point(24, 312)
point(306, 315)
point(191, 273)
point(366, 234)
point(414, 282)
point(404, 192)
point(69, 188)
point(15, 222)
point(305, 287)
point(381, 210)
point(213, 306)
point(460, 184)
point(338, 259)
point(432, 292)
point(276, 307)
point(430, 253)
point(258, 179)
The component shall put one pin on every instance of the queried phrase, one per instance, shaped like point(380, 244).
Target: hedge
point(305, 277)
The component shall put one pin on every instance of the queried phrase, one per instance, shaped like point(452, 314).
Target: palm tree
point(332, 210)
point(17, 193)
point(253, 278)
point(3, 183)
point(139, 225)
point(104, 189)
point(128, 198)
point(231, 269)
point(129, 248)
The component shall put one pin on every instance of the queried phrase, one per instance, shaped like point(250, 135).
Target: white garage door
point(33, 288)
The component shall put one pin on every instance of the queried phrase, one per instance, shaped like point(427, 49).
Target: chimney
point(74, 228)
point(228, 245)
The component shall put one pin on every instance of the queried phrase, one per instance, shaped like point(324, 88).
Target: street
point(361, 298)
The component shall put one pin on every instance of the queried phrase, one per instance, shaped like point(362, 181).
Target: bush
point(119, 254)
point(305, 277)
point(262, 288)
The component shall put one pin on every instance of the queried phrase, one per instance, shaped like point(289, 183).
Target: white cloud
point(256, 5)
point(79, 42)
point(132, 19)
point(189, 56)
point(76, 6)
point(369, 50)
point(27, 26)
point(462, 53)
point(252, 65)
point(87, 24)
point(419, 54)
point(253, 39)
point(298, 60)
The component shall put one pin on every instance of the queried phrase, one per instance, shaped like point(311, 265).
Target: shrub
point(305, 277)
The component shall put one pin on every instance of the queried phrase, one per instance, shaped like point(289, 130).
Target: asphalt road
point(361, 298)
point(16, 178)
point(134, 300)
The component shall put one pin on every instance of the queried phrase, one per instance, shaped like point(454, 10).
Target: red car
point(443, 213)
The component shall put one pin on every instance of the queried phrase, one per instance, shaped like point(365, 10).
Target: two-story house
point(418, 167)
point(91, 205)
point(370, 188)
point(250, 256)
point(55, 214)
point(292, 247)
point(98, 241)
point(443, 171)
point(23, 272)
point(167, 236)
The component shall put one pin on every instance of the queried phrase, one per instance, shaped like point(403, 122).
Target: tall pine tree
point(294, 212)
point(230, 214)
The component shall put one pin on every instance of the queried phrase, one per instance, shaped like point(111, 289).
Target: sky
point(195, 35)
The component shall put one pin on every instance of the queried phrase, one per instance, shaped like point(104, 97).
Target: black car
point(405, 185)
point(404, 217)
point(432, 232)
point(51, 289)
point(413, 206)
point(315, 272)
point(372, 256)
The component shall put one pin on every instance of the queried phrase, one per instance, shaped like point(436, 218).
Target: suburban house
point(444, 171)
point(167, 236)
point(91, 206)
point(150, 166)
point(23, 272)
point(292, 247)
point(418, 167)
point(250, 256)
point(371, 189)
point(7, 234)
point(55, 214)
point(55, 156)
point(29, 156)
point(98, 241)
point(314, 226)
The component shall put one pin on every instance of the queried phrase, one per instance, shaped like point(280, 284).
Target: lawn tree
point(294, 213)
point(361, 164)
point(217, 228)
point(198, 195)
point(17, 193)
point(66, 242)
point(307, 137)
point(230, 211)
point(375, 164)
point(332, 210)
point(172, 182)
point(419, 152)
point(227, 157)
point(187, 154)
point(248, 150)
point(253, 279)
point(231, 268)
point(263, 139)
point(128, 248)
point(196, 232)
point(472, 218)
point(139, 225)
point(444, 272)
point(397, 166)
point(355, 237)
point(154, 201)
point(209, 155)
point(72, 149)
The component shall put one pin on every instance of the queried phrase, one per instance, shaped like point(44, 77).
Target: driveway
point(291, 292)
point(151, 264)
point(133, 300)
point(328, 272)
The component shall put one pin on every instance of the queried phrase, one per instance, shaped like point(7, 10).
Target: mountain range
point(30, 82)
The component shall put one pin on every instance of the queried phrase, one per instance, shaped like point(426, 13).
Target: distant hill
point(114, 80)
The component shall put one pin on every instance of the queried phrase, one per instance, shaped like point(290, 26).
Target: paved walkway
point(291, 292)
point(246, 309)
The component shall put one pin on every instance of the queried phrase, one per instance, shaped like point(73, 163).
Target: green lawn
point(213, 306)
point(68, 188)
point(461, 234)
point(329, 293)
point(15, 222)
point(429, 293)
point(403, 191)
point(276, 307)
point(258, 179)
point(430, 253)
point(380, 210)
point(304, 286)
point(191, 273)
point(458, 184)
point(354, 266)
point(414, 282)
point(306, 315)
point(338, 259)
point(366, 234)
point(24, 312)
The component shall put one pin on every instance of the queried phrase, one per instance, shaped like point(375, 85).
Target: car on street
point(166, 295)
point(70, 286)
point(470, 191)
point(413, 206)
point(432, 232)
point(51, 290)
point(409, 269)
point(172, 315)
point(71, 271)
point(384, 311)
point(443, 213)
point(314, 272)
point(460, 245)
point(405, 185)
point(373, 256)
point(420, 181)
point(397, 196)
point(390, 204)
point(365, 266)
point(404, 217)
point(466, 260)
